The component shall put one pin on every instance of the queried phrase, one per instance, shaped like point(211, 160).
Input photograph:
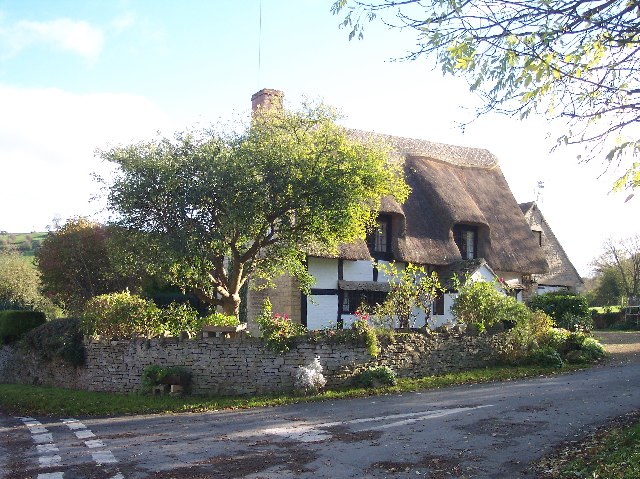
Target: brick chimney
point(266, 98)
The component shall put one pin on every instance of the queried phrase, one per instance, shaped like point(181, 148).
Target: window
point(538, 235)
point(352, 300)
point(438, 305)
point(379, 241)
point(466, 238)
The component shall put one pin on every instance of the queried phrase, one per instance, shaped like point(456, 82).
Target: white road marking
point(314, 432)
point(49, 461)
point(94, 443)
point(46, 448)
point(51, 475)
point(73, 424)
point(84, 434)
point(42, 438)
point(104, 457)
point(100, 457)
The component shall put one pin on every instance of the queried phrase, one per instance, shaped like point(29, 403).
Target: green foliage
point(573, 322)
point(277, 330)
point(123, 315)
point(556, 338)
point(526, 335)
point(566, 309)
point(264, 195)
point(20, 285)
point(180, 318)
point(59, 338)
point(75, 264)
point(15, 324)
point(411, 289)
point(376, 377)
point(220, 319)
point(363, 329)
point(480, 305)
point(576, 61)
point(545, 356)
point(154, 375)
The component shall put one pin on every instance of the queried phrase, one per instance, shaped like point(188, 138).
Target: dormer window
point(466, 238)
point(379, 240)
point(538, 235)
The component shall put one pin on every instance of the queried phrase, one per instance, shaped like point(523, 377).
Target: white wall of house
point(357, 270)
point(322, 311)
point(384, 277)
point(543, 288)
point(325, 272)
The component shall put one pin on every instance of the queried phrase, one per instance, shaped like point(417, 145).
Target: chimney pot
point(266, 98)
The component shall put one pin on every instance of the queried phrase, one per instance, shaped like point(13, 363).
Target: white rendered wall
point(325, 272)
point(548, 289)
point(322, 312)
point(361, 270)
point(383, 277)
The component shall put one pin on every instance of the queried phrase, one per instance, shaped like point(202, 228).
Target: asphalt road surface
point(477, 431)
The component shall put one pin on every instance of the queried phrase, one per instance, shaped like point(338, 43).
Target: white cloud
point(47, 142)
point(78, 37)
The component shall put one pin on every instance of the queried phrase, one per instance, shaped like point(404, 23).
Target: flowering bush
point(278, 331)
point(362, 327)
point(310, 378)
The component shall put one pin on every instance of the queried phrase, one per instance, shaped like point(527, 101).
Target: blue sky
point(76, 76)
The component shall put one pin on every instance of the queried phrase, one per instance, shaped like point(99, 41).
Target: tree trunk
point(231, 305)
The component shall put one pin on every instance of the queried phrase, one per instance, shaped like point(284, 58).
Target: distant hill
point(26, 243)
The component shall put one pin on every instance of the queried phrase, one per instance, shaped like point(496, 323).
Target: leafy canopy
point(214, 208)
point(572, 59)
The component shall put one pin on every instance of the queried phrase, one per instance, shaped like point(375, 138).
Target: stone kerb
point(244, 365)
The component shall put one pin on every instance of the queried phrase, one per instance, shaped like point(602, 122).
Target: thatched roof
point(454, 185)
point(561, 270)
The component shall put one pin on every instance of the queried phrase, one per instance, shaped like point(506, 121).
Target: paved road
point(479, 431)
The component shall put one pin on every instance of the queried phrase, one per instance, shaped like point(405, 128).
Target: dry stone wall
point(240, 366)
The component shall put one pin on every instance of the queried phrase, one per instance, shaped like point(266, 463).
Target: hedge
point(15, 324)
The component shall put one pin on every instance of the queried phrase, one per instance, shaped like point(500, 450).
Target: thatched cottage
point(562, 275)
point(460, 217)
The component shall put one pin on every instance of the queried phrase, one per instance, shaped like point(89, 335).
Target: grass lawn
point(611, 453)
point(606, 309)
point(23, 399)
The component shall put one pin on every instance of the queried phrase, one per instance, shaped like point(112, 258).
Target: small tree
point(75, 263)
point(217, 208)
point(20, 285)
point(480, 304)
point(412, 289)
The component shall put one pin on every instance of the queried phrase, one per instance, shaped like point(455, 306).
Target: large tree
point(216, 208)
point(574, 59)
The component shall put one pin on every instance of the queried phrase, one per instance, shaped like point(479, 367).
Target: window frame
point(461, 240)
point(386, 220)
point(352, 299)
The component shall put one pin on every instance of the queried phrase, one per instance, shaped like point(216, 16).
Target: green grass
point(613, 455)
point(606, 309)
point(18, 240)
point(24, 399)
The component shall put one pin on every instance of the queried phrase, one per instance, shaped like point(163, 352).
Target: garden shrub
point(560, 304)
point(363, 329)
point(220, 319)
point(59, 338)
point(124, 315)
point(480, 305)
point(15, 324)
point(310, 378)
point(278, 331)
point(575, 323)
point(121, 315)
point(178, 318)
point(527, 335)
point(376, 377)
point(545, 356)
point(556, 338)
